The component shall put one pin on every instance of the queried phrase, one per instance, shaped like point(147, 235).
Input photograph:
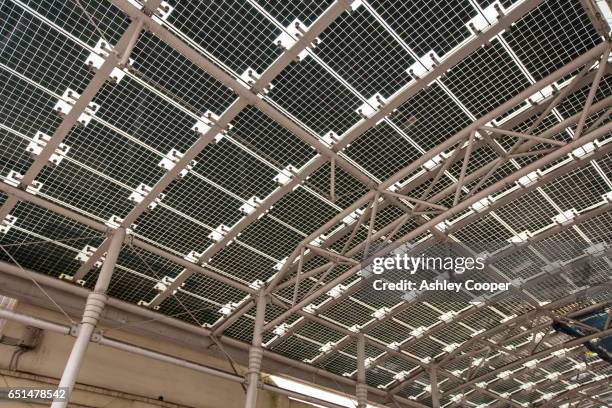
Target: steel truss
point(457, 140)
point(326, 154)
point(441, 218)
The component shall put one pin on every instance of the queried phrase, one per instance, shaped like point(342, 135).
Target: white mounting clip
point(163, 12)
point(86, 253)
point(115, 222)
point(14, 179)
point(353, 217)
point(218, 233)
point(330, 138)
point(250, 206)
point(418, 332)
point(250, 76)
point(433, 163)
point(489, 16)
point(311, 308)
point(371, 106)
point(141, 192)
point(482, 205)
point(206, 122)
point(337, 291)
point(529, 179)
point(95, 60)
point(451, 347)
point(380, 313)
point(425, 64)
point(281, 329)
point(566, 217)
point(6, 224)
point(520, 238)
point(327, 347)
point(448, 316)
point(584, 151)
point(228, 308)
point(285, 175)
point(164, 284)
point(40, 140)
point(193, 257)
point(290, 36)
point(171, 159)
point(66, 102)
point(256, 284)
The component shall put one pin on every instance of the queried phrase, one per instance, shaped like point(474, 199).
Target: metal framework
point(339, 139)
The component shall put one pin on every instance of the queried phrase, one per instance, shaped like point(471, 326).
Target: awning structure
point(263, 154)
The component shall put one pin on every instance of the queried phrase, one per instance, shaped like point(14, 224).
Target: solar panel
point(422, 128)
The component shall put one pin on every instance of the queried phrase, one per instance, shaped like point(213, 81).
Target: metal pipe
point(130, 348)
point(592, 92)
point(361, 391)
point(33, 321)
point(256, 352)
point(303, 397)
point(435, 392)
point(93, 308)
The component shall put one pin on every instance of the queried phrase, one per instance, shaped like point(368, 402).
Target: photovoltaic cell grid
point(152, 110)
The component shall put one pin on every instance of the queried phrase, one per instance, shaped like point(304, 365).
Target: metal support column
point(93, 308)
point(361, 391)
point(433, 380)
point(256, 352)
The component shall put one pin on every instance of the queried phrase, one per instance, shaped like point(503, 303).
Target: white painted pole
point(255, 353)
point(361, 391)
point(93, 308)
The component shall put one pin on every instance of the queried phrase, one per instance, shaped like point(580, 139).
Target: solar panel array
point(144, 120)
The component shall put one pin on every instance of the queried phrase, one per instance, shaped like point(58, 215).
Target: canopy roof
point(284, 145)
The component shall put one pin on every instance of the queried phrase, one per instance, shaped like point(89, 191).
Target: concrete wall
point(112, 378)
